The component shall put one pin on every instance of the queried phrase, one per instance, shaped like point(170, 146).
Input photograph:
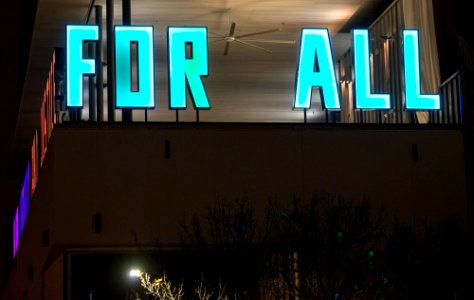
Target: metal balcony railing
point(451, 102)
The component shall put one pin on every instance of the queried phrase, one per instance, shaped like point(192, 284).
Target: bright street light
point(135, 273)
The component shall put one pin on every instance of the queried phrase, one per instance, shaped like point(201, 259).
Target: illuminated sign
point(187, 67)
point(363, 95)
point(316, 68)
point(135, 80)
point(21, 212)
point(16, 236)
point(137, 39)
point(48, 115)
point(77, 66)
point(47, 121)
point(34, 163)
point(25, 199)
point(188, 63)
point(414, 98)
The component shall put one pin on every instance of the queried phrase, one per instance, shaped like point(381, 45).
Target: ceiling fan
point(231, 37)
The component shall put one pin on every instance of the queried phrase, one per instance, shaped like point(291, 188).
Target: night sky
point(16, 27)
point(16, 24)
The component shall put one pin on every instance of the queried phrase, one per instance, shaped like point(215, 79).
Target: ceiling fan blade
point(270, 41)
point(232, 29)
point(257, 33)
point(252, 45)
point(215, 40)
point(215, 33)
point(226, 50)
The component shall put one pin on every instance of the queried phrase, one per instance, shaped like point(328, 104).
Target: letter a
point(316, 69)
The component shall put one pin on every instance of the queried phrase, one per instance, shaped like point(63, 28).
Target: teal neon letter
point(144, 96)
point(363, 95)
point(77, 66)
point(414, 99)
point(184, 69)
point(316, 51)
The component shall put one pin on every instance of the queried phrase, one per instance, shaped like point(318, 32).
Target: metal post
point(126, 12)
point(98, 66)
point(110, 61)
point(304, 115)
point(91, 80)
point(127, 20)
